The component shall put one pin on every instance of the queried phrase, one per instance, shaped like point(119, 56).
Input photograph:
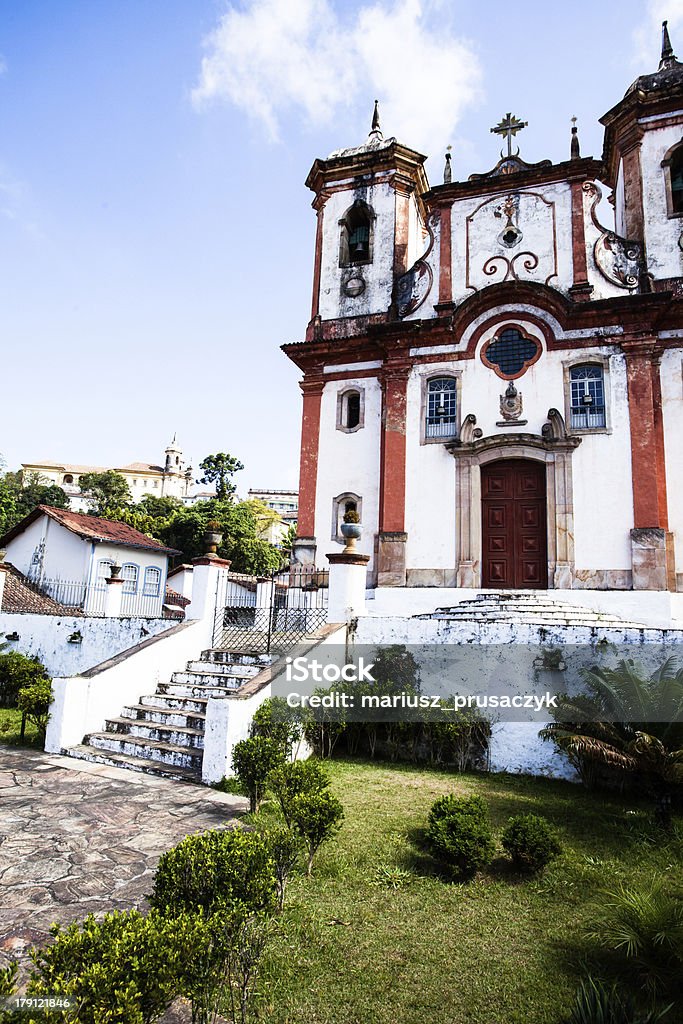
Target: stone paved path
point(77, 838)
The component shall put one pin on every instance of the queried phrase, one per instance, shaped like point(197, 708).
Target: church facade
point(492, 378)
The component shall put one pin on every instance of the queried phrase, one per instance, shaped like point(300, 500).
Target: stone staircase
point(532, 607)
point(163, 734)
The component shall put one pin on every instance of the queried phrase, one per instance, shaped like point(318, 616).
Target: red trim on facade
point(579, 237)
point(445, 256)
point(308, 466)
point(401, 233)
point(392, 489)
point(320, 210)
point(647, 437)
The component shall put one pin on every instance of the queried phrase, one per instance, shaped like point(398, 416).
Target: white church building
point(492, 377)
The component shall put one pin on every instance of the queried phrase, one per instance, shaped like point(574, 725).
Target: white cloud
point(647, 36)
point(280, 57)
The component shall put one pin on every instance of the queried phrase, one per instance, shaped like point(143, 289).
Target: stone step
point(186, 691)
point(221, 657)
point(528, 614)
point(152, 750)
point(164, 701)
point(164, 716)
point(83, 752)
point(176, 735)
point(220, 670)
point(232, 682)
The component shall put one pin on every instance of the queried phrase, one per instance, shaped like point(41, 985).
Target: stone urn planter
point(213, 538)
point(351, 532)
point(114, 571)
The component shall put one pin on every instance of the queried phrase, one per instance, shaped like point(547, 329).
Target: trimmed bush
point(316, 817)
point(285, 849)
point(447, 806)
point(531, 842)
point(34, 702)
point(123, 968)
point(16, 671)
point(253, 760)
point(277, 721)
point(460, 834)
point(217, 872)
point(293, 778)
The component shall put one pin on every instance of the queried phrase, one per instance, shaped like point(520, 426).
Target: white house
point(69, 555)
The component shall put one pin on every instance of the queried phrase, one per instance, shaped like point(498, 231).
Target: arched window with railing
point(587, 397)
point(441, 411)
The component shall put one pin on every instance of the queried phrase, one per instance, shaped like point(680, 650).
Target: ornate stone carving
point(620, 260)
point(413, 287)
point(511, 407)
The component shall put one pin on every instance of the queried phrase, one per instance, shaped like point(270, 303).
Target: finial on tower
point(375, 130)
point(575, 148)
point(667, 49)
point(447, 173)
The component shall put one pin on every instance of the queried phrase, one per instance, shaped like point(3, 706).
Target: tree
point(252, 762)
point(626, 725)
point(219, 469)
point(34, 702)
point(316, 817)
point(107, 491)
point(21, 493)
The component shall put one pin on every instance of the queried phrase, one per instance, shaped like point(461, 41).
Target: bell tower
point(370, 226)
point(643, 158)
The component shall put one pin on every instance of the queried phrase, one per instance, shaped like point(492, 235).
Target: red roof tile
point(91, 528)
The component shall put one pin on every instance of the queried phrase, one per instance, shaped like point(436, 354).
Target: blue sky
point(156, 237)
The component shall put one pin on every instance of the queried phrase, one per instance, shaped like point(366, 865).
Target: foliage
point(16, 672)
point(219, 469)
point(597, 1003)
point(276, 720)
point(285, 849)
point(317, 817)
point(34, 701)
point(645, 928)
point(351, 516)
point(295, 778)
point(8, 979)
point(107, 491)
point(460, 834)
point(448, 805)
point(253, 760)
point(287, 542)
point(626, 726)
point(531, 842)
point(122, 968)
point(217, 872)
point(20, 493)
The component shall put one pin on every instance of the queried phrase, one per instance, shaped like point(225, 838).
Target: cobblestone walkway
point(77, 838)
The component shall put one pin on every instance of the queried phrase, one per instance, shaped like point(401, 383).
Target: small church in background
point(492, 377)
point(172, 479)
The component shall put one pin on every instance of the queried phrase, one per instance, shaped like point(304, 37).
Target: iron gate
point(273, 613)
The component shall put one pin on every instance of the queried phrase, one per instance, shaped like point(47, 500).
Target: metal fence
point(273, 613)
point(73, 597)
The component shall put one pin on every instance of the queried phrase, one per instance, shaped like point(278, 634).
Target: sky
point(156, 236)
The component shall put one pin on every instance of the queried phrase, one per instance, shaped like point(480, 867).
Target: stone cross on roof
point(509, 126)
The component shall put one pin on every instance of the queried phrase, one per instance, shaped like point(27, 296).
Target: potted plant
point(213, 537)
point(351, 528)
point(114, 571)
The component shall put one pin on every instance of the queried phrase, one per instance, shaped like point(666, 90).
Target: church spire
point(375, 130)
point(668, 55)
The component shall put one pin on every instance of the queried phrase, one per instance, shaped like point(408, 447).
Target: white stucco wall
point(47, 637)
point(672, 407)
point(65, 557)
point(662, 233)
point(348, 462)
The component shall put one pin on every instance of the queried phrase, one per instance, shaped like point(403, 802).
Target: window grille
point(129, 575)
point(441, 407)
point(587, 397)
point(152, 583)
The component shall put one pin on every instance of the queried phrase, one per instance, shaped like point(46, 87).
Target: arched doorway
point(514, 524)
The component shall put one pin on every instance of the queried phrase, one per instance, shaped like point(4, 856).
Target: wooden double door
point(514, 524)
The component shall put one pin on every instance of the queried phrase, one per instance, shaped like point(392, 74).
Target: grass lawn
point(350, 949)
point(10, 729)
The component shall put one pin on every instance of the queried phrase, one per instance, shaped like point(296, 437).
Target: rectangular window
point(103, 571)
point(150, 587)
point(587, 398)
point(129, 575)
point(441, 408)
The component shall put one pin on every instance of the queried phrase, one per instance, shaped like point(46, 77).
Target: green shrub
point(531, 842)
point(253, 760)
point(123, 968)
point(460, 834)
point(447, 806)
point(645, 929)
point(16, 671)
point(217, 872)
point(596, 1003)
point(316, 817)
point(285, 849)
point(293, 778)
point(8, 979)
point(277, 721)
point(34, 702)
